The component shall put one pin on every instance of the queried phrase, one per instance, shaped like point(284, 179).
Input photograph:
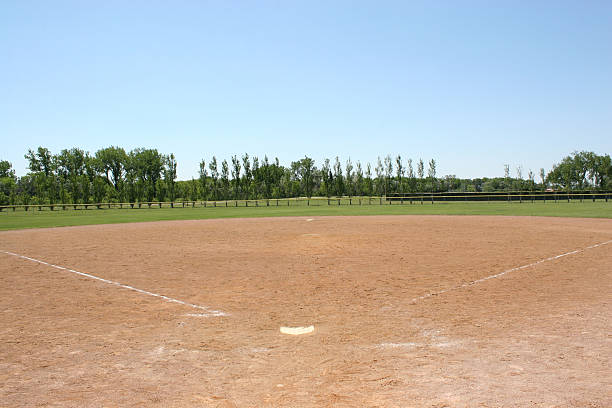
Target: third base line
point(207, 311)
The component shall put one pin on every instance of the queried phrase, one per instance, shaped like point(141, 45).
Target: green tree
point(359, 180)
point(564, 174)
point(304, 170)
point(275, 177)
point(40, 161)
point(380, 183)
point(431, 173)
point(193, 190)
point(246, 184)
point(543, 178)
point(257, 180)
point(99, 189)
point(581, 170)
point(338, 178)
point(202, 180)
point(6, 170)
point(42, 165)
point(71, 168)
point(368, 176)
point(399, 170)
point(601, 171)
point(518, 185)
point(236, 167)
point(349, 177)
point(225, 184)
point(420, 173)
point(214, 174)
point(507, 176)
point(388, 173)
point(148, 165)
point(8, 183)
point(170, 175)
point(113, 161)
point(411, 178)
point(327, 177)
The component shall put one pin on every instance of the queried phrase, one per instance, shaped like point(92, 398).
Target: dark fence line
point(519, 196)
point(155, 204)
point(408, 198)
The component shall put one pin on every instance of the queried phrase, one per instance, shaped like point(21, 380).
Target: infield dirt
point(539, 336)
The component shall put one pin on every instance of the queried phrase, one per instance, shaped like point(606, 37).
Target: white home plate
point(297, 330)
point(310, 219)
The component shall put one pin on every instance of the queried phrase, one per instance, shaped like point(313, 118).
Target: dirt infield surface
point(533, 336)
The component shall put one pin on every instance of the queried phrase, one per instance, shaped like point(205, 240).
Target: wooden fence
point(408, 199)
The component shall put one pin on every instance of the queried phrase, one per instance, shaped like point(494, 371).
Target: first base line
point(207, 311)
point(497, 275)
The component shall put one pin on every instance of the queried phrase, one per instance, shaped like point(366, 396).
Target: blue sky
point(473, 84)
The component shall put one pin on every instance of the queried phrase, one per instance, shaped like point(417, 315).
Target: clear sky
point(473, 84)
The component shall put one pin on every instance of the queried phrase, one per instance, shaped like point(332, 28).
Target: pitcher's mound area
point(406, 311)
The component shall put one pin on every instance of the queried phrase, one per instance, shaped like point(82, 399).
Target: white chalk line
point(497, 275)
point(208, 311)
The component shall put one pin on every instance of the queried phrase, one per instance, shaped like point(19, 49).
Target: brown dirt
point(539, 336)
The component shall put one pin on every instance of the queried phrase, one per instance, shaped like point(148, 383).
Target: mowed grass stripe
point(45, 219)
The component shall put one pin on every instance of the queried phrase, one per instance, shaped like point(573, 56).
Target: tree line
point(143, 175)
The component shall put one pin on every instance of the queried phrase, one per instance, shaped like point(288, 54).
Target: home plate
point(297, 330)
point(310, 219)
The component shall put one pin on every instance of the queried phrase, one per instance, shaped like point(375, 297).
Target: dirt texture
point(537, 336)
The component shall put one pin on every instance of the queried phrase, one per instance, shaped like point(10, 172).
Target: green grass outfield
point(10, 220)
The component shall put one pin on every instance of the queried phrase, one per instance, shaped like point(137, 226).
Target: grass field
point(44, 219)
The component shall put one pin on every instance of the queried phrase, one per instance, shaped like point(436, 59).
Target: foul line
point(497, 275)
point(208, 311)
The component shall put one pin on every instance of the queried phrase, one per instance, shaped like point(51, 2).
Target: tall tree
point(349, 177)
point(8, 183)
point(507, 176)
point(94, 186)
point(421, 169)
point(246, 165)
point(411, 178)
point(602, 171)
point(388, 173)
point(193, 190)
point(358, 179)
point(43, 165)
point(236, 176)
point(113, 162)
point(432, 173)
point(148, 165)
point(40, 161)
point(338, 178)
point(327, 178)
point(225, 183)
point(531, 177)
point(380, 172)
point(170, 175)
point(257, 181)
point(71, 167)
point(6, 169)
point(368, 174)
point(214, 174)
point(421, 174)
point(581, 170)
point(399, 169)
point(304, 171)
point(265, 177)
point(202, 180)
point(518, 184)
